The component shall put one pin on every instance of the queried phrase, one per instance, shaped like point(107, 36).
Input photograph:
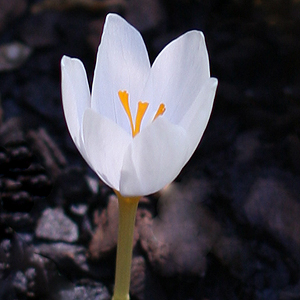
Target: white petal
point(75, 97)
point(154, 158)
point(122, 64)
point(105, 143)
point(177, 75)
point(196, 118)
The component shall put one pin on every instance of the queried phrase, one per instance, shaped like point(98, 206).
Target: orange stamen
point(160, 111)
point(123, 95)
point(141, 110)
point(142, 107)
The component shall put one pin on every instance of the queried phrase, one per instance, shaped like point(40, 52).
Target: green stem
point(127, 213)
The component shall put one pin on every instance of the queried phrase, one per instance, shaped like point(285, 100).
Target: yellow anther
point(160, 111)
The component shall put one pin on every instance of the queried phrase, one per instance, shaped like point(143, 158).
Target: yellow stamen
point(123, 95)
point(141, 110)
point(160, 111)
point(142, 107)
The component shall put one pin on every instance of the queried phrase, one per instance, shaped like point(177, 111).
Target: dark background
point(228, 228)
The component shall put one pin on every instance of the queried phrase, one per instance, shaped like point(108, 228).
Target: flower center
point(142, 107)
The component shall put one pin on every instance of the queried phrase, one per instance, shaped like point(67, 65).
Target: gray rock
point(20, 283)
point(79, 209)
point(56, 226)
point(97, 292)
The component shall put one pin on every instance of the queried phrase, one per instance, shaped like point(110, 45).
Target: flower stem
point(127, 213)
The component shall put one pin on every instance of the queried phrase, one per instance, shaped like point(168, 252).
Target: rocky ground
point(227, 228)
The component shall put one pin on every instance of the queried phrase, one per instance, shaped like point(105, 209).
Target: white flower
point(135, 148)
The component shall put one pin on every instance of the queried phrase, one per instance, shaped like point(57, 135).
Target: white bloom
point(139, 161)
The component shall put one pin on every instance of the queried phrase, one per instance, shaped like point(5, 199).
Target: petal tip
point(112, 16)
point(70, 63)
point(214, 81)
point(197, 34)
point(64, 60)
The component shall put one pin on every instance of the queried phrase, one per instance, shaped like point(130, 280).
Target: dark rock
point(56, 226)
point(89, 5)
point(184, 232)
point(235, 255)
point(45, 147)
point(25, 272)
point(23, 178)
point(4, 160)
point(11, 185)
point(272, 207)
point(11, 132)
point(144, 285)
point(267, 294)
point(39, 30)
point(291, 292)
point(17, 202)
point(37, 185)
point(18, 220)
point(293, 148)
point(5, 248)
point(19, 154)
point(10, 10)
point(104, 240)
point(246, 146)
point(74, 186)
point(266, 270)
point(70, 259)
point(94, 36)
point(145, 16)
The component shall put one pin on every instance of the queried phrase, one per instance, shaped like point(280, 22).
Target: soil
point(227, 228)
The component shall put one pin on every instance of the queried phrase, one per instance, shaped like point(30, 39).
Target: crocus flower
point(140, 124)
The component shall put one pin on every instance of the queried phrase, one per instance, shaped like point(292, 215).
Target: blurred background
point(227, 228)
